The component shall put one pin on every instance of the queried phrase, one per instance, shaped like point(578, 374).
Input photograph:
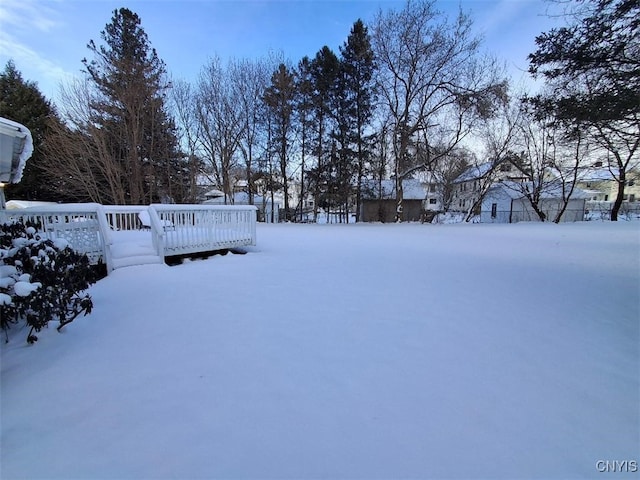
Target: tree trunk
point(399, 198)
point(622, 179)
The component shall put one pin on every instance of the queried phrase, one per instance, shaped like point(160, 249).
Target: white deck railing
point(83, 225)
point(175, 229)
point(124, 217)
point(185, 229)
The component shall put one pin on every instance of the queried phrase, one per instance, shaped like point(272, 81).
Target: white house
point(504, 202)
point(470, 186)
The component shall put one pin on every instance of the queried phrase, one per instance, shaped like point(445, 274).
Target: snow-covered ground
point(345, 351)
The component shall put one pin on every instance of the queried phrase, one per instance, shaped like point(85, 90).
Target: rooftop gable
point(412, 189)
point(475, 172)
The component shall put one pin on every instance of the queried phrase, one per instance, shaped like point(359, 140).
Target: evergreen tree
point(358, 66)
point(279, 98)
point(341, 169)
point(130, 109)
point(303, 110)
point(592, 68)
point(325, 69)
point(22, 102)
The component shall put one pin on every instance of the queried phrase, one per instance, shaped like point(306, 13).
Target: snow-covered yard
point(345, 351)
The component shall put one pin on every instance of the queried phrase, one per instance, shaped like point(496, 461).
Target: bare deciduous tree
point(183, 103)
point(250, 79)
point(433, 83)
point(88, 172)
point(551, 158)
point(221, 123)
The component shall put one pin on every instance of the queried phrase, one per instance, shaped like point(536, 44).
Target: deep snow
point(344, 351)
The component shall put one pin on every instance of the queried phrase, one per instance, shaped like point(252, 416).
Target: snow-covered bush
point(41, 280)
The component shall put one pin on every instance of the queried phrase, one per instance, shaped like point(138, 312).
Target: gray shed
point(379, 201)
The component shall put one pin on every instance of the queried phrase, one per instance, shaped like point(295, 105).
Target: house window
point(432, 188)
point(631, 183)
point(606, 198)
point(632, 198)
point(494, 210)
point(432, 201)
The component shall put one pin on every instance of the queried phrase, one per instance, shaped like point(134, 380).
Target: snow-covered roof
point(239, 198)
point(552, 190)
point(475, 172)
point(412, 189)
point(596, 174)
point(16, 146)
point(215, 193)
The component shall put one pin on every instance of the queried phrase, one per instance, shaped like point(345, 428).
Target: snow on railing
point(174, 229)
point(83, 225)
point(185, 229)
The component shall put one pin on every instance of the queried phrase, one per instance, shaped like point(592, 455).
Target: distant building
point(379, 201)
point(470, 186)
point(504, 202)
point(603, 187)
point(267, 211)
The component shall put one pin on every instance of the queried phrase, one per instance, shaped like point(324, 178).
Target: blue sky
point(47, 38)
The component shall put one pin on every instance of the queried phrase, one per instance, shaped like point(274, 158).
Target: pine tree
point(303, 110)
point(130, 107)
point(279, 98)
point(593, 69)
point(358, 66)
point(22, 102)
point(325, 69)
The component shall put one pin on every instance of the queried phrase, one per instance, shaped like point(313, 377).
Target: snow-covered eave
point(476, 172)
point(16, 147)
point(412, 190)
point(552, 191)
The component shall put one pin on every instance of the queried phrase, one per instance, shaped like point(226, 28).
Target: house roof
point(514, 190)
point(215, 193)
point(412, 189)
point(602, 174)
point(475, 172)
point(239, 198)
point(16, 146)
point(598, 174)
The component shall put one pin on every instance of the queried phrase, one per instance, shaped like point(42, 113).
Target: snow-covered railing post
point(157, 231)
point(107, 241)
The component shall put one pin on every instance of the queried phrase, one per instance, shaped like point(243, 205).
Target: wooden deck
point(116, 235)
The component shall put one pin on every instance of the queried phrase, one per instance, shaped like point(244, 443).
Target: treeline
point(401, 97)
